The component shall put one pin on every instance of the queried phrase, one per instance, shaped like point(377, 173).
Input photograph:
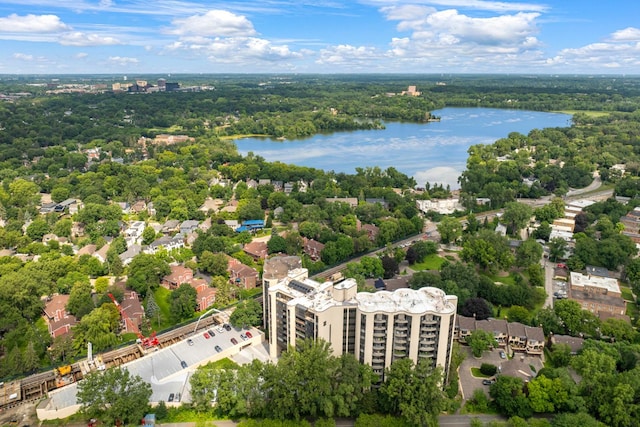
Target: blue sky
point(319, 36)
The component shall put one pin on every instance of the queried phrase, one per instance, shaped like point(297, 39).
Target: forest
point(86, 147)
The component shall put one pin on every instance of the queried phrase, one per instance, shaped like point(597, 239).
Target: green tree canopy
point(114, 397)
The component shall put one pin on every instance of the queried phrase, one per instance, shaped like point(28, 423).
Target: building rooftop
point(407, 300)
point(607, 283)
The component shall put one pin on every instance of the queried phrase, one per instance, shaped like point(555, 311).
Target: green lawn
point(431, 262)
point(507, 280)
point(476, 373)
point(626, 293)
point(587, 112)
point(162, 299)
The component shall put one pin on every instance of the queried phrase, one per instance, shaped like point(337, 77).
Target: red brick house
point(179, 275)
point(312, 248)
point(132, 307)
point(206, 298)
point(242, 275)
point(58, 320)
point(372, 231)
point(257, 250)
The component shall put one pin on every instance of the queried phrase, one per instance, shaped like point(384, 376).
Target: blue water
point(433, 152)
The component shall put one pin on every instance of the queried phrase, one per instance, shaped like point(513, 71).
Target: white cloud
point(81, 55)
point(123, 60)
point(627, 34)
point(444, 175)
point(32, 24)
point(78, 38)
point(22, 56)
point(215, 23)
point(499, 29)
point(234, 49)
point(347, 54)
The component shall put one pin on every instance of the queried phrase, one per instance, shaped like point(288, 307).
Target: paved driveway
point(517, 366)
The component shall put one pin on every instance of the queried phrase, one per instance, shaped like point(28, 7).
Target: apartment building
point(378, 328)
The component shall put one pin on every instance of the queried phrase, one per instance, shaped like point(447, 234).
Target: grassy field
point(162, 299)
point(587, 112)
point(507, 280)
point(431, 262)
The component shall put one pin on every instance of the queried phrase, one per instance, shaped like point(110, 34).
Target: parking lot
point(168, 370)
point(520, 365)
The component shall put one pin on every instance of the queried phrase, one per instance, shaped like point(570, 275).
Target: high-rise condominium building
point(378, 328)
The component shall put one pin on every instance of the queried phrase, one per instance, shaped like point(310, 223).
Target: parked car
point(234, 341)
point(190, 341)
point(248, 334)
point(220, 329)
point(170, 399)
point(487, 382)
point(211, 333)
point(206, 335)
point(178, 397)
point(183, 364)
point(218, 348)
point(227, 326)
point(502, 355)
point(243, 336)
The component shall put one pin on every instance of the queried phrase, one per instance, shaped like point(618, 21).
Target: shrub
point(488, 369)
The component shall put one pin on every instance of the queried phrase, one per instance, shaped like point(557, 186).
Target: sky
point(319, 36)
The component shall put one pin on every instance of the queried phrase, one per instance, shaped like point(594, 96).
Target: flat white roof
point(608, 283)
point(423, 300)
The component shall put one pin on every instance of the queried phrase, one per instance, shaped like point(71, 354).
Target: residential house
point(151, 210)
point(133, 233)
point(232, 224)
point(101, 254)
point(139, 206)
point(89, 249)
point(206, 298)
point(517, 336)
point(179, 275)
point(351, 201)
point(372, 231)
point(127, 256)
point(231, 207)
point(211, 205)
point(464, 327)
point(125, 206)
point(242, 275)
point(574, 343)
point(59, 321)
point(535, 340)
point(312, 248)
point(205, 225)
point(171, 226)
point(169, 243)
point(199, 284)
point(132, 307)
point(256, 249)
point(264, 182)
point(288, 187)
point(188, 226)
point(278, 186)
point(497, 327)
point(513, 335)
point(77, 229)
point(441, 206)
point(377, 201)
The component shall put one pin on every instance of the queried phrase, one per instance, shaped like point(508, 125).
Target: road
point(548, 282)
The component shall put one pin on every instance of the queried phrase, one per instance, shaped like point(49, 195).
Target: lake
point(435, 152)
